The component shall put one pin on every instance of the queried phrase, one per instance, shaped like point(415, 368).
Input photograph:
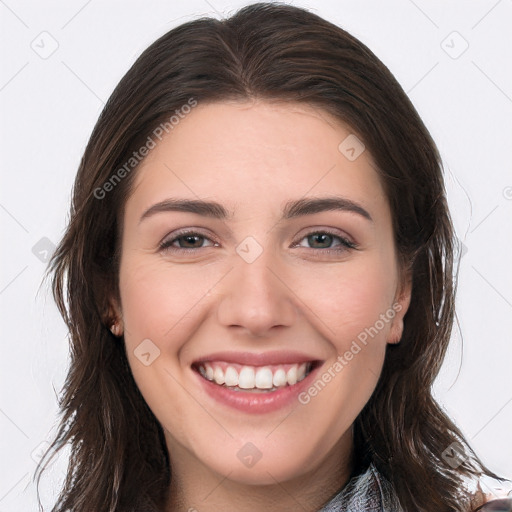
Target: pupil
point(190, 239)
point(323, 238)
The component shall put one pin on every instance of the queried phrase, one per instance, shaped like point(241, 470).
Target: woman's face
point(259, 287)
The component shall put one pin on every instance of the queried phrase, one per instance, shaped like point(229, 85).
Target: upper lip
point(258, 359)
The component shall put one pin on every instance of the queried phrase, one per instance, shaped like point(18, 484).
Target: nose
point(256, 297)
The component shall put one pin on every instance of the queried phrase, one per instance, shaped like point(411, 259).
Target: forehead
point(258, 152)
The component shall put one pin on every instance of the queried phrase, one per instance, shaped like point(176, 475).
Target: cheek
point(163, 305)
point(157, 299)
point(348, 299)
point(354, 312)
point(159, 309)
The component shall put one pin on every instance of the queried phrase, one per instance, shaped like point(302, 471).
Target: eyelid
point(346, 241)
point(343, 236)
point(172, 237)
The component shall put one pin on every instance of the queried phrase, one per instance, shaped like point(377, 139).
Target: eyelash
point(345, 244)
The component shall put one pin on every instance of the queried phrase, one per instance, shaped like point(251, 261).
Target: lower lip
point(255, 402)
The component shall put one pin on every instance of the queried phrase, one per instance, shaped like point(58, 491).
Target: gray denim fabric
point(367, 492)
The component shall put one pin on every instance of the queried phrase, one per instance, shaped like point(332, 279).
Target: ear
point(113, 319)
point(400, 306)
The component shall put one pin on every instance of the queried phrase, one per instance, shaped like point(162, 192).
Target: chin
point(259, 462)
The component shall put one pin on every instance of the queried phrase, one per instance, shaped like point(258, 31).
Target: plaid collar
point(371, 492)
point(367, 492)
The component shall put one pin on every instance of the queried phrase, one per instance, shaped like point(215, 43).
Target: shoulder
point(499, 505)
point(490, 493)
point(498, 502)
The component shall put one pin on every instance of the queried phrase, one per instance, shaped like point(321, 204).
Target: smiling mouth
point(254, 379)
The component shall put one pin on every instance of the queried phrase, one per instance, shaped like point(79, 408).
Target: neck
point(196, 488)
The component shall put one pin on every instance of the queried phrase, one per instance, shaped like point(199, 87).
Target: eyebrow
point(292, 209)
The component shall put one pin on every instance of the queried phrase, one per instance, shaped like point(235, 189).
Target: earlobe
point(114, 320)
point(400, 306)
point(395, 333)
point(117, 328)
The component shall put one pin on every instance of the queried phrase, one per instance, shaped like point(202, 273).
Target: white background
point(49, 106)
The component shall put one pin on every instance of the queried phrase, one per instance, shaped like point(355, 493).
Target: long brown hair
point(270, 52)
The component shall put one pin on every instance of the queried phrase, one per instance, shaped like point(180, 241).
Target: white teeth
point(263, 379)
point(291, 375)
point(251, 377)
point(218, 375)
point(246, 378)
point(231, 376)
point(279, 378)
point(301, 371)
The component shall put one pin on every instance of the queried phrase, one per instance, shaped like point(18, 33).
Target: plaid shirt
point(371, 492)
point(367, 492)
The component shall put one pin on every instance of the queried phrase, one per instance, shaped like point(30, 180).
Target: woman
point(258, 281)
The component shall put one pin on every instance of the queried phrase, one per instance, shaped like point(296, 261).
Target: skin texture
point(300, 294)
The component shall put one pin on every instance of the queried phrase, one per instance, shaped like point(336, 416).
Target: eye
point(327, 241)
point(322, 240)
point(185, 241)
